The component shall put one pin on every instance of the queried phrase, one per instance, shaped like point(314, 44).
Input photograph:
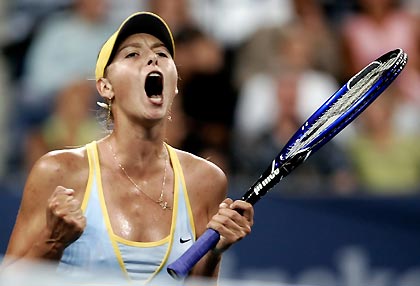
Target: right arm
point(49, 217)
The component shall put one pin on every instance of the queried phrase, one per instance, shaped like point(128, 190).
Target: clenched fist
point(65, 219)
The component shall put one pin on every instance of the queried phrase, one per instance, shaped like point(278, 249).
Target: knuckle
point(215, 226)
point(51, 205)
point(224, 220)
point(243, 234)
point(60, 214)
point(247, 230)
point(235, 216)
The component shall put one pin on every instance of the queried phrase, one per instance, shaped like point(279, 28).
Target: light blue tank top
point(101, 256)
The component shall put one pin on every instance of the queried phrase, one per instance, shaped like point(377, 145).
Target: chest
point(137, 215)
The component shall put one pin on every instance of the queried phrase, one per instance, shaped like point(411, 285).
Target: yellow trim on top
point(173, 159)
point(141, 244)
point(184, 187)
point(86, 196)
point(105, 212)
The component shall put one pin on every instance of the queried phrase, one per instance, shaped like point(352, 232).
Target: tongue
point(156, 99)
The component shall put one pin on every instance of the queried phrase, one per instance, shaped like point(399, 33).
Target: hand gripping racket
point(331, 117)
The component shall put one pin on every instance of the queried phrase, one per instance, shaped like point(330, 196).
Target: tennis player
point(128, 204)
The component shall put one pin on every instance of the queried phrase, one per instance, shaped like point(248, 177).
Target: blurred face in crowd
point(95, 10)
point(376, 7)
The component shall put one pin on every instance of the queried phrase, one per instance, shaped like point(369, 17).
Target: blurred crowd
point(251, 71)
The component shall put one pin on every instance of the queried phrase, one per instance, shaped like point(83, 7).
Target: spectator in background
point(292, 52)
point(209, 111)
point(310, 18)
point(202, 123)
point(19, 23)
point(378, 27)
point(176, 12)
point(324, 173)
point(291, 92)
point(61, 55)
point(308, 45)
point(72, 123)
point(232, 22)
point(384, 149)
point(385, 163)
point(322, 38)
point(64, 50)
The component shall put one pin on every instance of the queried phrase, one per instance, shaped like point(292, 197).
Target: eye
point(132, 55)
point(162, 54)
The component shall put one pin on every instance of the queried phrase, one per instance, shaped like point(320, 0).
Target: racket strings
point(346, 101)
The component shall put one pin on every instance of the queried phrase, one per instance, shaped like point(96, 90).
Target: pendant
point(163, 205)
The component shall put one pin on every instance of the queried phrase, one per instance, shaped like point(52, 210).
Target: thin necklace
point(163, 204)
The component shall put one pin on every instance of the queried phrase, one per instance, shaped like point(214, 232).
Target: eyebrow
point(139, 45)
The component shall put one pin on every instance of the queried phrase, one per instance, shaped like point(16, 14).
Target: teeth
point(154, 74)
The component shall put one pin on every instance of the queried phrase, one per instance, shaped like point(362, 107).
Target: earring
point(108, 107)
point(109, 116)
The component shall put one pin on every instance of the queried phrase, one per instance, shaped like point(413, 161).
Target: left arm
point(232, 219)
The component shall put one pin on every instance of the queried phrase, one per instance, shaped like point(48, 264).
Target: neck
point(137, 152)
point(142, 169)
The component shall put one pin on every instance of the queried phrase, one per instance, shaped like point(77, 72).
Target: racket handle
point(181, 267)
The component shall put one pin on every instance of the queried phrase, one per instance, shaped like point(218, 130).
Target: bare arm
point(49, 216)
point(233, 220)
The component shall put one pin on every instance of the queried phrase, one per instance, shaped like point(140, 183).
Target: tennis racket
point(331, 117)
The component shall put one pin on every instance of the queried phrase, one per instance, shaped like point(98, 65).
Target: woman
point(128, 204)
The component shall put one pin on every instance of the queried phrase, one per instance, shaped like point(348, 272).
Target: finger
point(59, 194)
point(70, 206)
point(73, 204)
point(63, 190)
point(229, 231)
point(226, 203)
point(78, 220)
point(245, 208)
point(231, 220)
point(222, 227)
point(232, 214)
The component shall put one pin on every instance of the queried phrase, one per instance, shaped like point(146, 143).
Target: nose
point(153, 59)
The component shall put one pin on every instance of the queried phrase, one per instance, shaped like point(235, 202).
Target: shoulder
point(68, 168)
point(198, 166)
point(203, 178)
point(62, 160)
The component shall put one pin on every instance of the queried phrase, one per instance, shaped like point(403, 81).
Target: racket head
point(337, 112)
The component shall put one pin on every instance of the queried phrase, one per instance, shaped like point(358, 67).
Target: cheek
point(173, 78)
point(121, 79)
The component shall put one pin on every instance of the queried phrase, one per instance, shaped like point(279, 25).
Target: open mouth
point(154, 84)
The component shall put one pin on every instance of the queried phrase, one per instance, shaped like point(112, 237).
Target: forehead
point(141, 40)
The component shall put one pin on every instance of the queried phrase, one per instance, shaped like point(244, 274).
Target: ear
point(104, 87)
